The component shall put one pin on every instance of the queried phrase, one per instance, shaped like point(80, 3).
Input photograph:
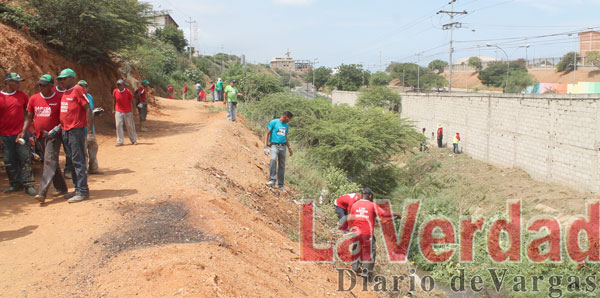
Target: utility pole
point(450, 26)
point(418, 72)
point(315, 61)
point(190, 46)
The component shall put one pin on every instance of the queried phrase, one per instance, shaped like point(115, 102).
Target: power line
point(450, 26)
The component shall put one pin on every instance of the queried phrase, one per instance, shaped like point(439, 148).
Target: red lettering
point(592, 231)
point(428, 240)
point(513, 228)
point(397, 251)
point(308, 252)
point(534, 251)
point(467, 233)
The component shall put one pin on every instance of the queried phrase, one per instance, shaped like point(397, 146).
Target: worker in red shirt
point(362, 222)
point(44, 111)
point(212, 90)
point(75, 116)
point(123, 110)
point(440, 136)
point(342, 207)
point(170, 88)
point(142, 105)
point(17, 153)
point(185, 89)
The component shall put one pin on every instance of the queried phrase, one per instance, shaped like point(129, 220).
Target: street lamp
point(507, 63)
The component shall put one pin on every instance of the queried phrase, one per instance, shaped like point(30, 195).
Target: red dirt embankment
point(31, 58)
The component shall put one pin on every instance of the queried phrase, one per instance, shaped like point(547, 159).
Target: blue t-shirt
point(279, 131)
point(91, 100)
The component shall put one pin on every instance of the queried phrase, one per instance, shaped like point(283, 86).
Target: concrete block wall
point(555, 138)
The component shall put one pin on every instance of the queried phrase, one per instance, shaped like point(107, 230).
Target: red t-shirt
point(184, 89)
point(72, 113)
point(123, 99)
point(61, 92)
point(212, 87)
point(346, 201)
point(46, 112)
point(142, 94)
point(363, 214)
point(12, 112)
point(170, 89)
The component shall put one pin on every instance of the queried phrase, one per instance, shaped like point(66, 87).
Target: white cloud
point(294, 2)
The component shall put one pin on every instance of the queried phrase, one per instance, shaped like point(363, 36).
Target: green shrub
point(381, 97)
point(338, 183)
point(15, 16)
point(90, 29)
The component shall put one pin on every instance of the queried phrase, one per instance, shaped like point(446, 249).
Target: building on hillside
point(288, 63)
point(160, 19)
point(303, 65)
point(484, 60)
point(589, 41)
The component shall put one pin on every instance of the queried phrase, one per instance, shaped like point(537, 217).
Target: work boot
point(78, 198)
point(30, 190)
point(59, 193)
point(271, 183)
point(70, 195)
point(12, 189)
point(40, 198)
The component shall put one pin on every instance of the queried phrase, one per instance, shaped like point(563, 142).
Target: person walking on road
point(231, 94)
point(455, 142)
point(219, 89)
point(343, 205)
point(142, 104)
point(75, 116)
point(276, 137)
point(212, 90)
point(43, 111)
point(16, 151)
point(440, 136)
point(122, 102)
point(91, 143)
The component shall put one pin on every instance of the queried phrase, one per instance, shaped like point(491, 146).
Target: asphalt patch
point(154, 225)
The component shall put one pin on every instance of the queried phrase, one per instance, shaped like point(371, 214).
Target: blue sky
point(360, 31)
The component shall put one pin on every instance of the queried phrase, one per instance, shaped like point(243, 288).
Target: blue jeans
point(231, 107)
point(19, 157)
point(213, 96)
point(455, 148)
point(277, 165)
point(197, 94)
point(74, 140)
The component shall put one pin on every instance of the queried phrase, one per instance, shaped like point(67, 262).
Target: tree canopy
point(381, 97)
point(437, 65)
point(90, 29)
point(380, 78)
point(567, 63)
point(476, 63)
point(413, 75)
point(350, 77)
point(322, 75)
point(172, 35)
point(495, 76)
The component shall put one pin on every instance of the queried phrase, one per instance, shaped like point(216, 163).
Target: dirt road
point(183, 213)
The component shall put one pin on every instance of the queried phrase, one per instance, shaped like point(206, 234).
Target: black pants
point(74, 140)
point(367, 246)
point(440, 141)
point(19, 157)
point(51, 172)
point(342, 218)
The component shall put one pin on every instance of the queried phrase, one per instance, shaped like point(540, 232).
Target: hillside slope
point(185, 213)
